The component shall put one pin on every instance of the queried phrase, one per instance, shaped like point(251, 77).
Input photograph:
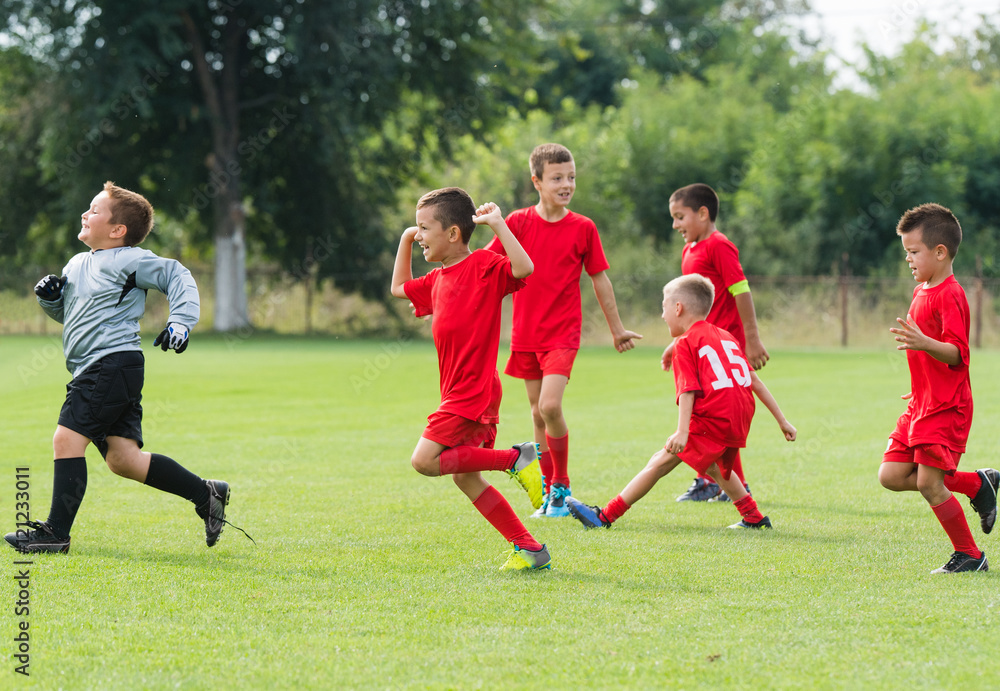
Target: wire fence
point(820, 311)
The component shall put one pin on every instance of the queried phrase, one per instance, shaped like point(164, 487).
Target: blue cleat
point(557, 501)
point(590, 516)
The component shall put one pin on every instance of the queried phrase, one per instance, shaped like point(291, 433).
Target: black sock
point(69, 484)
point(168, 475)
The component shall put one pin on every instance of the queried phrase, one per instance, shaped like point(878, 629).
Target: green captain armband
point(738, 288)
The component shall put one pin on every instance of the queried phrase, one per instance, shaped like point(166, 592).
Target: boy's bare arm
point(679, 439)
point(402, 271)
point(605, 293)
point(520, 263)
point(756, 353)
point(910, 337)
point(772, 405)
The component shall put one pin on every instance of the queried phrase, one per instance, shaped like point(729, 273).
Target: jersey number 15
point(722, 380)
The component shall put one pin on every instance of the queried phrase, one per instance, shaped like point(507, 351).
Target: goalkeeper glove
point(174, 337)
point(50, 288)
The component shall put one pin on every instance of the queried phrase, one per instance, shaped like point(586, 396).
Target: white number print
point(722, 380)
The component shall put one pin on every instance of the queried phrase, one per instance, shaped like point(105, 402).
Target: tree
point(246, 116)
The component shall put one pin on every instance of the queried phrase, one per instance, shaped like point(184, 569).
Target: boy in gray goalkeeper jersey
point(99, 300)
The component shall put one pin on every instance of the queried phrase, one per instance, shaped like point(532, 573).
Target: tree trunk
point(221, 93)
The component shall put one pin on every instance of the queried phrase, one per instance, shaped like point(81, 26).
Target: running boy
point(547, 314)
point(99, 300)
point(710, 253)
point(715, 390)
point(465, 295)
point(929, 439)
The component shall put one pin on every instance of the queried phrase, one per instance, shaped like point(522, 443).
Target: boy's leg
point(659, 465)
point(930, 483)
point(496, 509)
point(533, 387)
point(550, 398)
point(744, 503)
point(210, 497)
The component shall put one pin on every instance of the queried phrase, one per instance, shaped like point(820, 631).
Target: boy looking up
point(465, 294)
point(708, 252)
point(930, 436)
point(547, 313)
point(99, 300)
point(715, 389)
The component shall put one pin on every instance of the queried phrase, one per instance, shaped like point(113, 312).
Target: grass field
point(367, 575)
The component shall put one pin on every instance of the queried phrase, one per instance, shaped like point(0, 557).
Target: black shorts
point(104, 399)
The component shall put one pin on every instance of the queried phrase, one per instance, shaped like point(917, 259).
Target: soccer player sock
point(747, 507)
point(615, 508)
point(738, 469)
point(952, 519)
point(69, 484)
point(472, 459)
point(167, 475)
point(545, 461)
point(501, 516)
point(963, 483)
point(559, 452)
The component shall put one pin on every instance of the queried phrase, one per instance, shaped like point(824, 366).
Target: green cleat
point(525, 559)
point(527, 472)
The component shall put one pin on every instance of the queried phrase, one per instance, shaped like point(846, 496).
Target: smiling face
point(437, 242)
point(557, 184)
point(96, 229)
point(692, 225)
point(672, 310)
point(926, 263)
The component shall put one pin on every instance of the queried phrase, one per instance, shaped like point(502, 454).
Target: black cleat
point(765, 522)
point(985, 501)
point(960, 561)
point(215, 513)
point(40, 539)
point(700, 490)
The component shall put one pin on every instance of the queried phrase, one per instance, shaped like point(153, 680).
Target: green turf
point(368, 575)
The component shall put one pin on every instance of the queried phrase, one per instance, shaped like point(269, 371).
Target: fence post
point(978, 318)
point(845, 273)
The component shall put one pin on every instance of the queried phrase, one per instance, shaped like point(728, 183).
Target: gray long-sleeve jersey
point(105, 295)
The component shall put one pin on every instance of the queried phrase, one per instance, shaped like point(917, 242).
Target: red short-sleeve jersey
point(709, 362)
point(940, 410)
point(465, 300)
point(547, 313)
point(717, 259)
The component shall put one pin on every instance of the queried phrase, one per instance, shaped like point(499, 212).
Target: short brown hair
point(131, 210)
point(452, 207)
point(547, 153)
point(696, 196)
point(694, 291)
point(939, 226)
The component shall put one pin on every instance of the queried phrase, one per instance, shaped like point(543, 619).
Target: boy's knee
point(118, 463)
point(550, 409)
point(429, 467)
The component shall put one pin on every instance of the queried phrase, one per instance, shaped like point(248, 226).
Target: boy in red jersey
point(929, 439)
point(708, 252)
point(465, 296)
point(715, 394)
point(547, 315)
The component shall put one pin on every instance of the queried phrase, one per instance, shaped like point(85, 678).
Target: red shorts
point(933, 455)
point(700, 453)
point(453, 430)
point(526, 365)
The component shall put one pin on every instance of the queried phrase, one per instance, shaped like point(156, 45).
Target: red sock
point(615, 508)
point(748, 509)
point(471, 459)
point(497, 511)
point(545, 461)
point(559, 452)
point(738, 469)
point(952, 519)
point(964, 483)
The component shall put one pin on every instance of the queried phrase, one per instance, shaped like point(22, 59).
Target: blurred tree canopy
point(312, 128)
